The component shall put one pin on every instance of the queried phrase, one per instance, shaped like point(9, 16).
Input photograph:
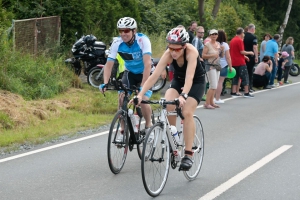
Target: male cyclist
point(135, 49)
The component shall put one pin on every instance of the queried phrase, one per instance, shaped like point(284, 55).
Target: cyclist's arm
point(107, 70)
point(160, 67)
point(192, 56)
point(147, 67)
point(110, 61)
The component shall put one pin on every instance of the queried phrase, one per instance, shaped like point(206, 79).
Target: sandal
point(186, 163)
point(208, 106)
point(216, 106)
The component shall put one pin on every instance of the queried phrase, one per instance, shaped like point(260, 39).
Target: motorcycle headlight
point(73, 50)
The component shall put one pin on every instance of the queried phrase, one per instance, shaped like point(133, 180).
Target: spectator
point(212, 52)
point(289, 48)
point(250, 44)
point(262, 73)
point(238, 56)
point(207, 39)
point(272, 51)
point(281, 62)
point(198, 40)
point(192, 30)
point(225, 61)
point(266, 38)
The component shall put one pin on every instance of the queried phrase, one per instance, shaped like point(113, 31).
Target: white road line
point(98, 134)
point(242, 175)
point(52, 147)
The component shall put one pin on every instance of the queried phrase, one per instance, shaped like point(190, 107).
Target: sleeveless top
point(180, 72)
point(260, 69)
point(212, 50)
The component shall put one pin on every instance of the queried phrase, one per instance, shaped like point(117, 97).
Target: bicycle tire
point(198, 148)
point(155, 161)
point(142, 134)
point(116, 149)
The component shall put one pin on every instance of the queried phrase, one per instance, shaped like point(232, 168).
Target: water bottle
point(175, 133)
point(132, 119)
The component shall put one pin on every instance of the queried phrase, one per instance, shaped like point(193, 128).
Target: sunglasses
point(200, 32)
point(214, 34)
point(124, 30)
point(176, 50)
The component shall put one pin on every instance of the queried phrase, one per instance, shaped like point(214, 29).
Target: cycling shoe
point(186, 163)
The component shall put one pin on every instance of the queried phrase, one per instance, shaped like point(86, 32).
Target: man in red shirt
point(238, 56)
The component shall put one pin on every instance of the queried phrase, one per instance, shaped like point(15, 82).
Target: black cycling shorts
point(196, 91)
point(129, 79)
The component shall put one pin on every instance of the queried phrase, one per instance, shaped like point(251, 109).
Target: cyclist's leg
point(188, 122)
point(136, 79)
point(146, 110)
point(188, 110)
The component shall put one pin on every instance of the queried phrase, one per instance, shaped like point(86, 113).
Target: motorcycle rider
point(135, 50)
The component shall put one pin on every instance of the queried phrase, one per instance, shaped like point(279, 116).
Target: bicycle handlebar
point(162, 102)
point(118, 85)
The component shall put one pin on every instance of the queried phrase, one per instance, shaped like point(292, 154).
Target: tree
point(216, 8)
point(285, 21)
point(201, 11)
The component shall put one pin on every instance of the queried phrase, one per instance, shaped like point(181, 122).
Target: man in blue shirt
point(272, 51)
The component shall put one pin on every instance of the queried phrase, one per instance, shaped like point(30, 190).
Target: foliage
point(33, 78)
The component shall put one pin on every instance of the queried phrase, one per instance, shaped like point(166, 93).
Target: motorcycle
point(95, 76)
point(295, 70)
point(88, 53)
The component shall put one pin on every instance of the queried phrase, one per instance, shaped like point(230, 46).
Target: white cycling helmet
point(178, 36)
point(127, 22)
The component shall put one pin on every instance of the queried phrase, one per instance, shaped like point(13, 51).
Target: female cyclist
point(188, 84)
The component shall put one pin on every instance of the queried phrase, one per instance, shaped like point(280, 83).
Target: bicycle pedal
point(183, 169)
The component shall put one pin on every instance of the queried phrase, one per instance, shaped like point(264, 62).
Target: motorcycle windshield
point(79, 42)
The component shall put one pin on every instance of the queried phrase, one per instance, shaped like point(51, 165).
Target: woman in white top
point(262, 73)
point(212, 52)
point(225, 62)
point(267, 37)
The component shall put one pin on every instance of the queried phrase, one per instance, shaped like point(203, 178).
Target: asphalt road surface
point(251, 152)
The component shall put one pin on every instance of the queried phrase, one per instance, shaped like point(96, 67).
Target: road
point(251, 152)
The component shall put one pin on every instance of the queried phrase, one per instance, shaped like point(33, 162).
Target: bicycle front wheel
point(155, 160)
point(198, 148)
point(117, 146)
point(142, 134)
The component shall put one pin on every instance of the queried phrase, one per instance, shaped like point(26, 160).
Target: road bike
point(164, 150)
point(132, 134)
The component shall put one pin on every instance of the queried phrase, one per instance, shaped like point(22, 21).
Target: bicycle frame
point(175, 148)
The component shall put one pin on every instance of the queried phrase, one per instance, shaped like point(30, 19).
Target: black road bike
point(122, 125)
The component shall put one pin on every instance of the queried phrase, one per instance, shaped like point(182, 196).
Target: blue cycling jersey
point(133, 54)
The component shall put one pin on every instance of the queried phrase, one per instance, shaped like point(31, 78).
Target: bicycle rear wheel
point(117, 149)
point(155, 160)
point(198, 148)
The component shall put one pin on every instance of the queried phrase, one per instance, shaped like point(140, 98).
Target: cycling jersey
point(133, 54)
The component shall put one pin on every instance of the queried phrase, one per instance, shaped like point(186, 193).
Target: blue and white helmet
point(127, 22)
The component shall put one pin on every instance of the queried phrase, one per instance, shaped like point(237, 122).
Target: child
point(281, 62)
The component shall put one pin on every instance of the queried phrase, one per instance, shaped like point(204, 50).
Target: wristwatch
point(184, 95)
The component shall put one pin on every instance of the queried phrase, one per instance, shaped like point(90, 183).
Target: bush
point(32, 77)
